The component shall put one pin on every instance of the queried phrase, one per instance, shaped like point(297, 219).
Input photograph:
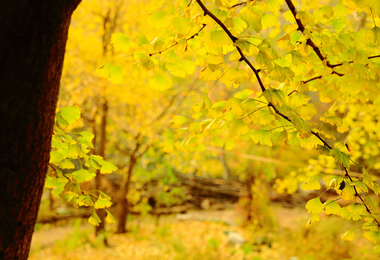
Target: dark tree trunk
point(122, 201)
point(32, 48)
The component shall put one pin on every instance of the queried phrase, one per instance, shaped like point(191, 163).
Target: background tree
point(137, 110)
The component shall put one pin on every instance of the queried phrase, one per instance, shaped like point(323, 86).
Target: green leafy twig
point(176, 43)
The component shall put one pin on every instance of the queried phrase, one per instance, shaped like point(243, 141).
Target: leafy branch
point(301, 27)
point(316, 49)
point(337, 65)
point(234, 39)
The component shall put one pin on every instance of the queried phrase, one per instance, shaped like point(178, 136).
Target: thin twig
point(176, 43)
point(242, 3)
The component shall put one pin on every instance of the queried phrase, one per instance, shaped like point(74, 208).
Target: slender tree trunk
point(51, 201)
point(249, 183)
point(32, 48)
point(226, 169)
point(122, 201)
point(98, 179)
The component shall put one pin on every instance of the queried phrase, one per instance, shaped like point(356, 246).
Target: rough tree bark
point(32, 48)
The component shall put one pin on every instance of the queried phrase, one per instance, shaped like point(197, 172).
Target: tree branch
point(334, 72)
point(301, 28)
point(240, 4)
point(316, 50)
point(234, 39)
point(358, 195)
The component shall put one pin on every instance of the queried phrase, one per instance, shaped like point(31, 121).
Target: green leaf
point(313, 218)
point(348, 236)
point(377, 247)
point(280, 139)
point(56, 157)
point(238, 127)
point(159, 83)
point(237, 76)
point(141, 39)
point(314, 206)
point(94, 219)
point(70, 114)
point(219, 38)
point(332, 181)
point(116, 76)
point(243, 94)
point(110, 72)
point(102, 203)
point(268, 20)
point(105, 196)
point(60, 121)
point(206, 102)
point(217, 142)
point(302, 127)
point(158, 19)
point(332, 120)
point(72, 187)
point(233, 105)
point(73, 152)
point(86, 201)
point(243, 44)
point(230, 144)
point(107, 167)
point(340, 157)
point(87, 136)
point(120, 42)
point(324, 12)
point(323, 149)
point(376, 34)
point(253, 19)
point(248, 105)
point(348, 193)
point(311, 184)
point(372, 236)
point(262, 137)
point(331, 207)
point(66, 164)
point(83, 175)
point(356, 208)
point(360, 186)
point(110, 219)
point(179, 120)
point(367, 180)
point(274, 96)
point(182, 25)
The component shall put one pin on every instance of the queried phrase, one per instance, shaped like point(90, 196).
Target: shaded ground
point(202, 237)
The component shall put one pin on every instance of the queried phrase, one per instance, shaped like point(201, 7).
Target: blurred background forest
point(223, 198)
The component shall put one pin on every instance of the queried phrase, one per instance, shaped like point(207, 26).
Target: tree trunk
point(226, 169)
point(122, 201)
point(32, 48)
point(98, 179)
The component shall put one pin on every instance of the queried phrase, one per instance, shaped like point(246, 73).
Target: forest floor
point(202, 236)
